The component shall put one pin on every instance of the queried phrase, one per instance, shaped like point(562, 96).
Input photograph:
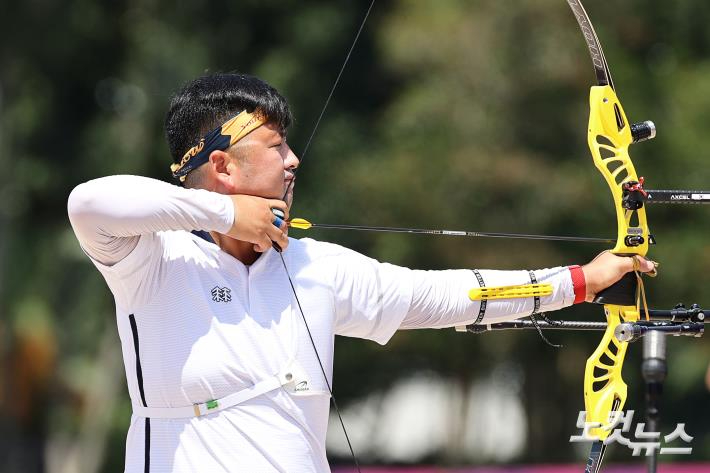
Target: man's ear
point(221, 167)
point(219, 162)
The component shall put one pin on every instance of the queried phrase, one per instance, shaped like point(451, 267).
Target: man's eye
point(277, 145)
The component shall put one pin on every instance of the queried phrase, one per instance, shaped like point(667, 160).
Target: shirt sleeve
point(371, 298)
point(109, 215)
point(120, 222)
point(374, 300)
point(440, 298)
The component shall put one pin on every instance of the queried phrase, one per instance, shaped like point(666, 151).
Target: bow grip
point(622, 292)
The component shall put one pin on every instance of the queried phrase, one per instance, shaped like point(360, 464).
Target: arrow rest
point(633, 195)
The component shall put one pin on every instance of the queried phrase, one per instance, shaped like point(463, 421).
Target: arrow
point(303, 224)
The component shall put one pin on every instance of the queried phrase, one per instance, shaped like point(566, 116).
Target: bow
point(609, 136)
point(609, 139)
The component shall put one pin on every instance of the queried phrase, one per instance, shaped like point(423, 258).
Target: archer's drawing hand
point(255, 222)
point(607, 268)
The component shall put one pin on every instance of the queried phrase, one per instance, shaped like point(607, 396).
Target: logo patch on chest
point(221, 294)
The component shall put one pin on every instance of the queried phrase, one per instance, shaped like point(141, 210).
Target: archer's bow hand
point(259, 221)
point(607, 268)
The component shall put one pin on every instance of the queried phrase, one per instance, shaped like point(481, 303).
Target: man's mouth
point(289, 183)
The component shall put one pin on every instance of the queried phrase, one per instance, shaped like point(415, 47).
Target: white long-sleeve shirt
point(197, 324)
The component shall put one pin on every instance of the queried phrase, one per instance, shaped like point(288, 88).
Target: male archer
point(222, 371)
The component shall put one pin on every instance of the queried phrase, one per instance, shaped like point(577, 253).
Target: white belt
point(293, 376)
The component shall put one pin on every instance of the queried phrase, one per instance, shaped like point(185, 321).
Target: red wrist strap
point(578, 283)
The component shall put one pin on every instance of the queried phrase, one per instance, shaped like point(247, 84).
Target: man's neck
point(241, 250)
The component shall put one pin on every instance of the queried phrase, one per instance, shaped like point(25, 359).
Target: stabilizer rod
point(677, 321)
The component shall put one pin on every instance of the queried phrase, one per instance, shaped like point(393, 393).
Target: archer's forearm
point(440, 298)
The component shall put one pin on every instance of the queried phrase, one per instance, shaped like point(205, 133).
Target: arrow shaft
point(424, 231)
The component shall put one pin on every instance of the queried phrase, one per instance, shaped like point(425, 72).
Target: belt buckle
point(208, 406)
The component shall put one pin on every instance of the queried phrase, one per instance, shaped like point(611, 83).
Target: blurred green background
point(450, 114)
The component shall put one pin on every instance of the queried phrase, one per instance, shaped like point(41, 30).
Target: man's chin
point(289, 197)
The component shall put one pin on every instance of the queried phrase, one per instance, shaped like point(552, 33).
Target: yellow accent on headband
point(241, 125)
point(234, 129)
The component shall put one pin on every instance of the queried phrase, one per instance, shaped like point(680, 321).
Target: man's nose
point(291, 161)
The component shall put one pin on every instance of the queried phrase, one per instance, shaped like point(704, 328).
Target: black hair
point(208, 101)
